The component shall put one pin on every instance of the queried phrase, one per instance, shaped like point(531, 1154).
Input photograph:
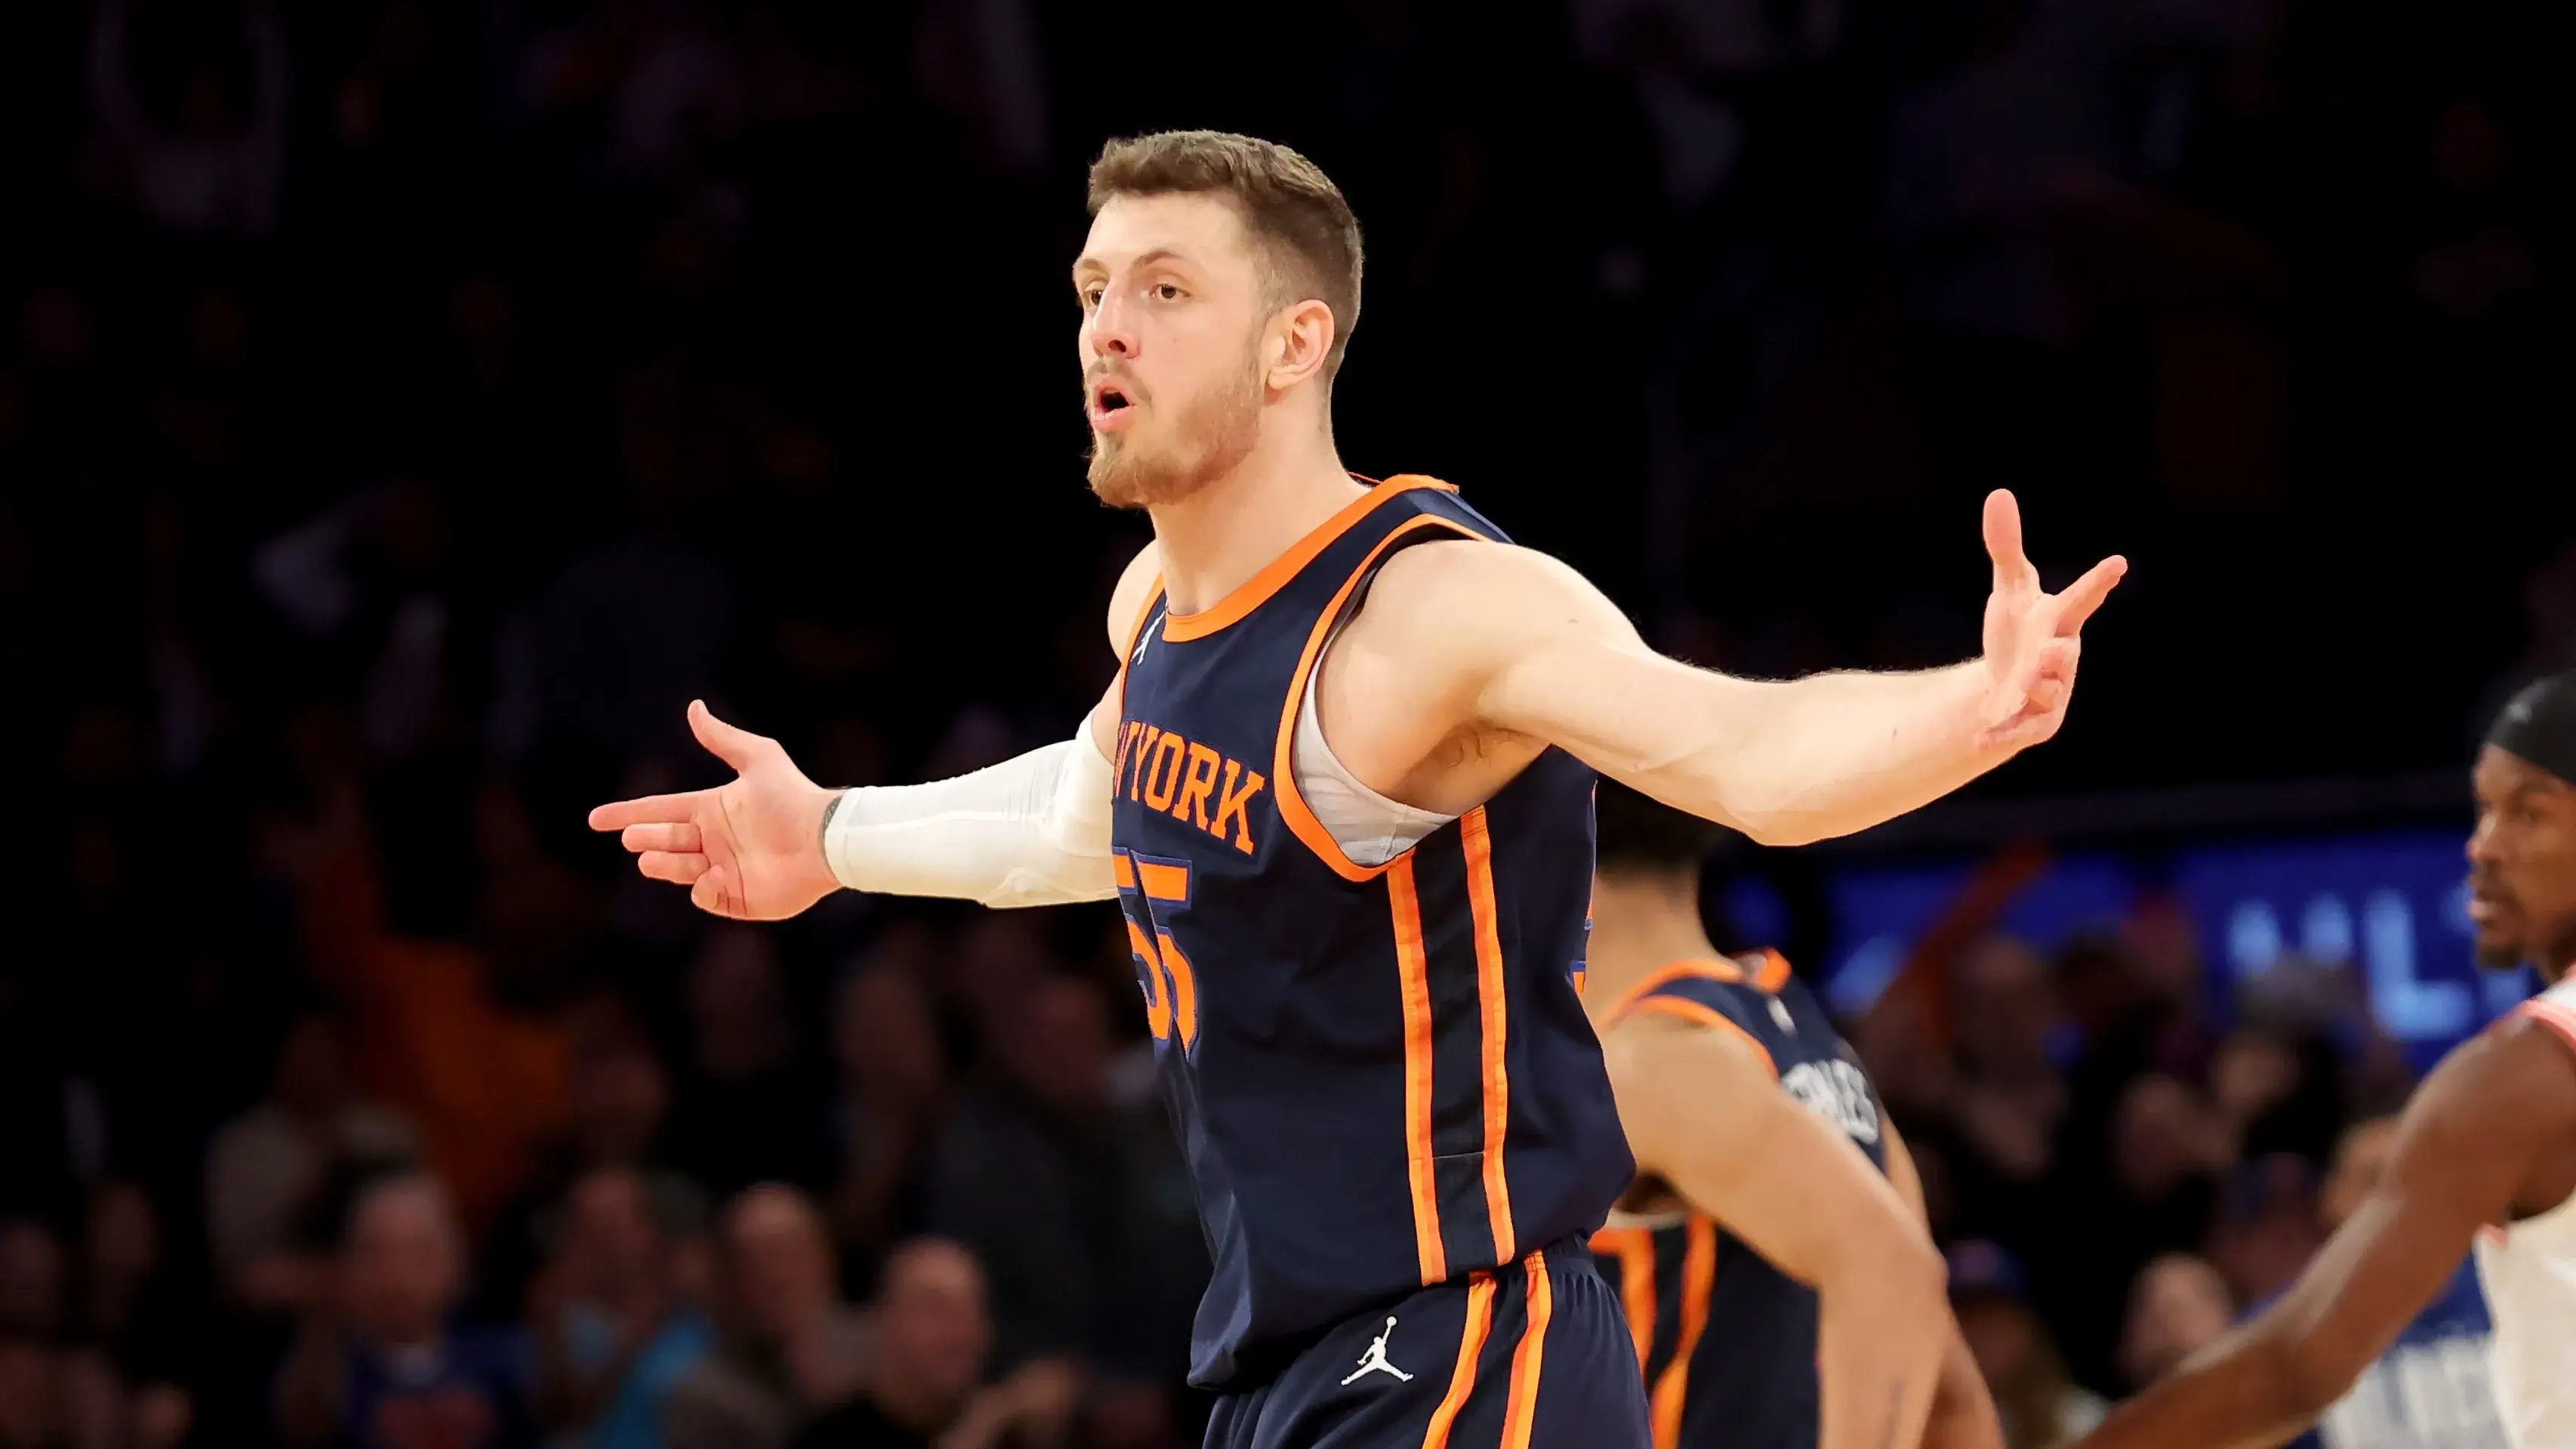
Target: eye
point(1167, 292)
point(1090, 296)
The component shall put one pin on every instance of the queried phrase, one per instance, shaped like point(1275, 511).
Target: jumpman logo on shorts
point(1374, 1361)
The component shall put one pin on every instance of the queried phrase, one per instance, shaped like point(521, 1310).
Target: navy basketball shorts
point(1533, 1356)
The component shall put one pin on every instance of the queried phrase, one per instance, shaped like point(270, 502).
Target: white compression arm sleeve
point(1030, 831)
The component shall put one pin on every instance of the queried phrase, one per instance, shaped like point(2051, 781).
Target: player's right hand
point(751, 850)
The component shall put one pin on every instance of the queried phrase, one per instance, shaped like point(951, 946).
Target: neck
point(1214, 541)
point(1640, 923)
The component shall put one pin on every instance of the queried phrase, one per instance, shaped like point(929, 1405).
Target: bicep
point(1554, 660)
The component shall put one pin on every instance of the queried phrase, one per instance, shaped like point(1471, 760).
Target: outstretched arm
point(1788, 762)
point(2463, 1149)
point(1033, 830)
point(1797, 1192)
point(1963, 1409)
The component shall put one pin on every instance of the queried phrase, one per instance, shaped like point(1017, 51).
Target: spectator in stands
point(923, 1386)
point(379, 1365)
point(2269, 1226)
point(270, 1169)
point(32, 1276)
point(136, 1321)
point(889, 1107)
point(619, 1094)
point(789, 1349)
point(614, 1332)
point(1051, 1187)
point(31, 1407)
point(2178, 1307)
point(749, 1104)
point(2039, 1404)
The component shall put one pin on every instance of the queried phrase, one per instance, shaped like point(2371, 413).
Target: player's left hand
point(2033, 638)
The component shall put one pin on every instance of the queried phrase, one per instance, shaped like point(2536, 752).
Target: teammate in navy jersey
point(1780, 1286)
point(1339, 786)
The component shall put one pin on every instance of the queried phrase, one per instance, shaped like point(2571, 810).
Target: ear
point(1300, 339)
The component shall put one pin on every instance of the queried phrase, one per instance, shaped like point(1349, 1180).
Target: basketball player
point(2485, 1156)
point(1759, 1253)
point(1340, 787)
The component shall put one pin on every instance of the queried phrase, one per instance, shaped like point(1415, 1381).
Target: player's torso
point(2528, 1269)
point(1727, 1341)
point(1382, 1077)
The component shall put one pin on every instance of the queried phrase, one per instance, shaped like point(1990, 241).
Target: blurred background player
point(2484, 1156)
point(1782, 1293)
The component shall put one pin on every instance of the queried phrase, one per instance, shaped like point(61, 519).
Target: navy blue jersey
point(1382, 1076)
point(1728, 1342)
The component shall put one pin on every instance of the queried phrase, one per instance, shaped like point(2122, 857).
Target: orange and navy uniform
point(1726, 1341)
point(1382, 1077)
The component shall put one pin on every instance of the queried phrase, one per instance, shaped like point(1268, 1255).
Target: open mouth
point(1112, 406)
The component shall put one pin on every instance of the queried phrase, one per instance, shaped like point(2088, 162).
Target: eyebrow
point(1158, 254)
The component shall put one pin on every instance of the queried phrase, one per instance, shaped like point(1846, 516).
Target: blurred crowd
point(405, 408)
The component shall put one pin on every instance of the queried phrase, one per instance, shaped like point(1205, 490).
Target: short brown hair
point(1292, 210)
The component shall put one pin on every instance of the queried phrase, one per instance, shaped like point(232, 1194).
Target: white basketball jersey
point(2529, 1272)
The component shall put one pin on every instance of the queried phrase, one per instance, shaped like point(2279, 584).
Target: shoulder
point(2512, 1088)
point(1696, 1018)
point(1479, 600)
point(1135, 590)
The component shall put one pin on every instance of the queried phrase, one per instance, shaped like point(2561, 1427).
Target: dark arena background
point(407, 407)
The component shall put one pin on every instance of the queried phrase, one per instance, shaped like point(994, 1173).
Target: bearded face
point(1165, 448)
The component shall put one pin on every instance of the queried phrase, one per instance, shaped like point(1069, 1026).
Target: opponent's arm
point(1963, 1410)
point(1032, 830)
point(1549, 657)
point(2463, 1148)
point(1797, 1191)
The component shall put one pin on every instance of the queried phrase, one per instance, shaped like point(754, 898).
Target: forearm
point(1810, 759)
point(1879, 1346)
point(2243, 1392)
point(1963, 1411)
point(1029, 831)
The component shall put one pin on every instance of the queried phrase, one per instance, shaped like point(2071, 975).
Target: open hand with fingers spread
point(2032, 638)
point(751, 849)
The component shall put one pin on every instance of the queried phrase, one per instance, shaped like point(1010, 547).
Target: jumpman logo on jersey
point(1780, 1014)
point(1374, 1361)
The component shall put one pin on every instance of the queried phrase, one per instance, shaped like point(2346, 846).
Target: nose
point(1112, 329)
point(2482, 846)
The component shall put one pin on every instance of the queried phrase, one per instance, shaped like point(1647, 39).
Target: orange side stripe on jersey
point(2550, 1014)
point(1699, 1276)
point(1126, 869)
point(1714, 1020)
point(1635, 1249)
point(1163, 882)
point(1471, 1345)
point(1661, 976)
point(1496, 1025)
point(1774, 973)
point(1283, 773)
point(1414, 982)
point(1256, 591)
point(1520, 1411)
